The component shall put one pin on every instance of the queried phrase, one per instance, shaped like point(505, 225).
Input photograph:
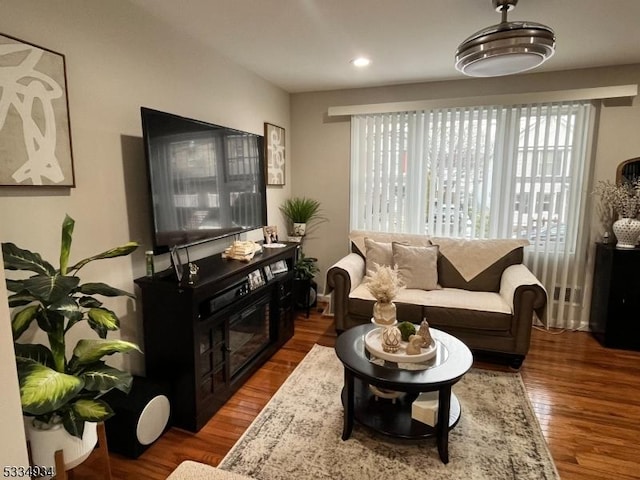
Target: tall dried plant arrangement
point(622, 198)
point(384, 284)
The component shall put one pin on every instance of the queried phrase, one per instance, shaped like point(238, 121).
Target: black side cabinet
point(206, 338)
point(615, 301)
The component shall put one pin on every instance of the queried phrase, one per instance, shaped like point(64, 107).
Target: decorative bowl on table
point(374, 344)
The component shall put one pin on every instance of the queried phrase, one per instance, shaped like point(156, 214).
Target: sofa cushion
point(446, 307)
point(379, 253)
point(476, 264)
point(445, 297)
point(417, 266)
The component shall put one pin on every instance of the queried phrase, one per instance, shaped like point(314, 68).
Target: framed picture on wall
point(35, 133)
point(275, 145)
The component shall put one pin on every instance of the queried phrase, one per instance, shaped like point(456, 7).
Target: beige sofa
point(477, 290)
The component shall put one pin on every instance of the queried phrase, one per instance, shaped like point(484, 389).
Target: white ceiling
point(306, 45)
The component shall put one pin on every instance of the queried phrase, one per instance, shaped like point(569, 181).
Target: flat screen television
point(206, 181)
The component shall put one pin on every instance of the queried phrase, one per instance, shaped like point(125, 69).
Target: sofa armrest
point(346, 274)
point(523, 291)
point(342, 278)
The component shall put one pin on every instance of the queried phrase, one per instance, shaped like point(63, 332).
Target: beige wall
point(119, 59)
point(322, 144)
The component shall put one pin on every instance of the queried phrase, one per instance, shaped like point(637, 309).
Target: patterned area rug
point(298, 434)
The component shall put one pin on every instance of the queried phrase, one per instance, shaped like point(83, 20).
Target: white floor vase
point(45, 443)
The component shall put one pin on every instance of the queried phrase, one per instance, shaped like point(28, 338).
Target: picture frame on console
point(256, 280)
point(34, 75)
point(270, 233)
point(275, 149)
point(268, 274)
point(279, 267)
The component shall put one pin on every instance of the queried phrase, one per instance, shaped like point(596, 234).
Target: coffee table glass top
point(452, 360)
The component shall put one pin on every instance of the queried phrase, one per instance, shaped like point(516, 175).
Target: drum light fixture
point(505, 48)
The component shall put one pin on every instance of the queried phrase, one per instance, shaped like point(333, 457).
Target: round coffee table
point(361, 369)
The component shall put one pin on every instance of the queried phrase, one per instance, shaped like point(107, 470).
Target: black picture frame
point(275, 148)
point(256, 280)
point(279, 267)
point(268, 273)
point(52, 165)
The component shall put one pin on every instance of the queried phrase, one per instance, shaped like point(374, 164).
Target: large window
point(478, 172)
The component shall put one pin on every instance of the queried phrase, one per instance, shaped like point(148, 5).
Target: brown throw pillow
point(417, 266)
point(377, 253)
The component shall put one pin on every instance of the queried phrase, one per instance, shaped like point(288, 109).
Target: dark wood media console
point(207, 338)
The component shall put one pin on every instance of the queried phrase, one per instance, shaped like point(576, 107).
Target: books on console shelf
point(241, 250)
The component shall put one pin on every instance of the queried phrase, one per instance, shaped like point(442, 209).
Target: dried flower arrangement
point(384, 284)
point(623, 198)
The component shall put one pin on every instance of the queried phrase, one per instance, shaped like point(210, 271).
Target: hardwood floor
point(586, 397)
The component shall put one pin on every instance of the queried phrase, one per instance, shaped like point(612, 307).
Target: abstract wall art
point(35, 136)
point(275, 150)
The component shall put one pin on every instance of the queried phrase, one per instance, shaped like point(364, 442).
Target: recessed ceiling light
point(360, 62)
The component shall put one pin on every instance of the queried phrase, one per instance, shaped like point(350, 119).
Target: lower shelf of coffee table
point(394, 419)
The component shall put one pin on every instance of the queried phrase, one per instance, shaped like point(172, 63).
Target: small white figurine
point(414, 347)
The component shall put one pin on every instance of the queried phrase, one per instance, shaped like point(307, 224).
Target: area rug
point(298, 434)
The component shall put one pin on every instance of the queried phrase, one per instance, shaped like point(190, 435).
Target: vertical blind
point(484, 172)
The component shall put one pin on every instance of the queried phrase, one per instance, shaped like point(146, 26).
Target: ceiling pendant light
point(505, 48)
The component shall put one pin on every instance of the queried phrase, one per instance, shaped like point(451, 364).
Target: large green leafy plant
point(52, 387)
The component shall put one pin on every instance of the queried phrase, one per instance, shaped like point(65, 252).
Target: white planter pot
point(295, 239)
point(45, 443)
point(299, 229)
point(627, 231)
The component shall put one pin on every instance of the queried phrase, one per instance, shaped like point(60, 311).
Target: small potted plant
point(304, 271)
point(60, 394)
point(300, 212)
point(624, 200)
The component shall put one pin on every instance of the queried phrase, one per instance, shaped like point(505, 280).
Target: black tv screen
point(206, 181)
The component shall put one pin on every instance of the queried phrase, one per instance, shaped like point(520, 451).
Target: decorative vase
point(47, 440)
point(384, 313)
point(391, 338)
point(627, 231)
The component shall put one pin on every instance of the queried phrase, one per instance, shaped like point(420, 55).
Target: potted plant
point(304, 271)
point(624, 200)
point(300, 212)
point(60, 395)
